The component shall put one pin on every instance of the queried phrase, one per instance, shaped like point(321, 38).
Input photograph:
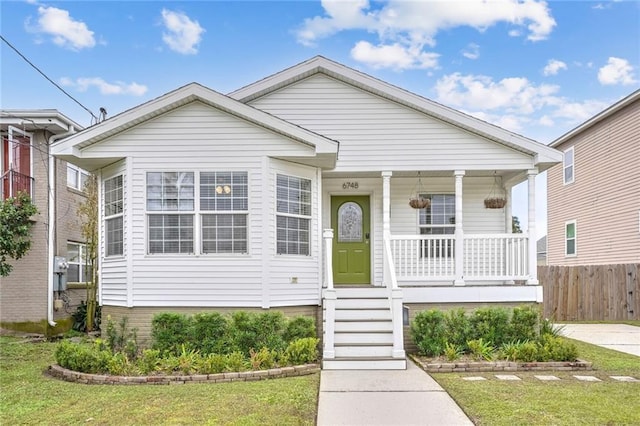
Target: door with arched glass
point(350, 220)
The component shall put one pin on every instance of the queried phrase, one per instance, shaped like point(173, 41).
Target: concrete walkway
point(619, 337)
point(385, 397)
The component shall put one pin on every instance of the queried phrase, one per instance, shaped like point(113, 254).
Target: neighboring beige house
point(28, 295)
point(267, 197)
point(541, 249)
point(594, 196)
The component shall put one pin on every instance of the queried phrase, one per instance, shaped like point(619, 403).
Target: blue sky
point(533, 67)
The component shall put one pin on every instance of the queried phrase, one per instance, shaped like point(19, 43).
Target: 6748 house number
point(350, 185)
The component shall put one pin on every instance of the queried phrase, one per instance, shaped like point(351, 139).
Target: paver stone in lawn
point(625, 378)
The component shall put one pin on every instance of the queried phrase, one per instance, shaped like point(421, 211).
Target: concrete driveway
point(619, 337)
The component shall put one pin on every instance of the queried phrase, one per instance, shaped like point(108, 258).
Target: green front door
point(351, 248)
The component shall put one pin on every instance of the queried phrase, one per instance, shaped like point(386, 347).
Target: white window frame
point(11, 160)
point(566, 166)
point(437, 248)
point(113, 217)
point(81, 262)
point(574, 238)
point(287, 214)
point(230, 201)
point(165, 210)
point(79, 173)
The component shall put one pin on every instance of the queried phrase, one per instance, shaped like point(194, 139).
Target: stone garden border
point(243, 376)
point(486, 366)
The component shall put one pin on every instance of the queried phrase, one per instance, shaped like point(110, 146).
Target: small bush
point(299, 328)
point(457, 327)
point(509, 351)
point(213, 364)
point(120, 365)
point(556, 349)
point(120, 339)
point(169, 332)
point(82, 357)
point(527, 352)
point(302, 351)
point(491, 325)
point(481, 350)
point(524, 324)
point(262, 359)
point(428, 332)
point(149, 361)
point(254, 331)
point(207, 332)
point(452, 351)
point(236, 361)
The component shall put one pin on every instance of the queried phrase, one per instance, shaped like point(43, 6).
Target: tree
point(515, 225)
point(15, 229)
point(88, 213)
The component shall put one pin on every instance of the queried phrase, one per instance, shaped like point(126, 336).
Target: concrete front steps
point(363, 331)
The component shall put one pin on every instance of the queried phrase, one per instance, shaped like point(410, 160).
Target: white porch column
point(386, 218)
point(533, 267)
point(508, 212)
point(329, 297)
point(459, 233)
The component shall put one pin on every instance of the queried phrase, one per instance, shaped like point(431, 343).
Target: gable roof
point(73, 145)
point(544, 156)
point(603, 115)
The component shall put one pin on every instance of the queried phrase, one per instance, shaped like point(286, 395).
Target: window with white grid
point(293, 217)
point(113, 215)
point(79, 270)
point(170, 192)
point(224, 209)
point(438, 219)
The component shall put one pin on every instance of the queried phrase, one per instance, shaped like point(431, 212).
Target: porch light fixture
point(220, 189)
point(417, 200)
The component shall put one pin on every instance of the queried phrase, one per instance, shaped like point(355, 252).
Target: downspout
point(52, 221)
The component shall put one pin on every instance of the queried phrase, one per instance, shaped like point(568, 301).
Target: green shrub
point(169, 332)
point(120, 339)
point(299, 328)
point(212, 364)
point(481, 350)
point(491, 325)
point(509, 350)
point(188, 360)
point(457, 327)
point(524, 324)
point(548, 328)
point(120, 365)
point(527, 352)
point(428, 332)
point(207, 332)
point(452, 351)
point(553, 348)
point(149, 361)
point(262, 359)
point(236, 361)
point(252, 331)
point(82, 357)
point(302, 351)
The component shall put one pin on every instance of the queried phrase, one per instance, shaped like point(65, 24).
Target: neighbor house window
point(170, 192)
point(293, 215)
point(570, 238)
point(79, 271)
point(113, 216)
point(224, 210)
point(15, 168)
point(568, 166)
point(438, 219)
point(76, 177)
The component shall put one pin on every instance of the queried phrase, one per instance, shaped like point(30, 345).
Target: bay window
point(113, 216)
point(293, 215)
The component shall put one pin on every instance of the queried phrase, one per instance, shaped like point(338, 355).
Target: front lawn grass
point(29, 397)
point(567, 401)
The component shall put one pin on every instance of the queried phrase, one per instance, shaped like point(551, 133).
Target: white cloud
point(414, 24)
point(617, 71)
point(393, 56)
point(472, 51)
point(183, 35)
point(82, 84)
point(64, 30)
point(553, 67)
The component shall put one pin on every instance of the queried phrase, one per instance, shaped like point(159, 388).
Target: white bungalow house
point(293, 193)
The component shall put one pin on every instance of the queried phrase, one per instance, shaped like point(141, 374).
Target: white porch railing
point(485, 257)
point(395, 300)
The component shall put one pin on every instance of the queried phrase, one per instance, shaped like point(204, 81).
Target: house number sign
point(350, 185)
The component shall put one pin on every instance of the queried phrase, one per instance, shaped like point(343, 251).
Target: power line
point(47, 77)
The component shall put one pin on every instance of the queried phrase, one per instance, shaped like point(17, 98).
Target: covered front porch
point(446, 261)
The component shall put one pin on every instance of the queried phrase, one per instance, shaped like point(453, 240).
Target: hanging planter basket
point(417, 199)
point(496, 198)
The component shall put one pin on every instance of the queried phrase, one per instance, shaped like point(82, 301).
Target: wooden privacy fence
point(591, 292)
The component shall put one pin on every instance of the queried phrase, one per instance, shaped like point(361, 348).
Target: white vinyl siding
point(379, 134)
point(568, 166)
point(200, 139)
